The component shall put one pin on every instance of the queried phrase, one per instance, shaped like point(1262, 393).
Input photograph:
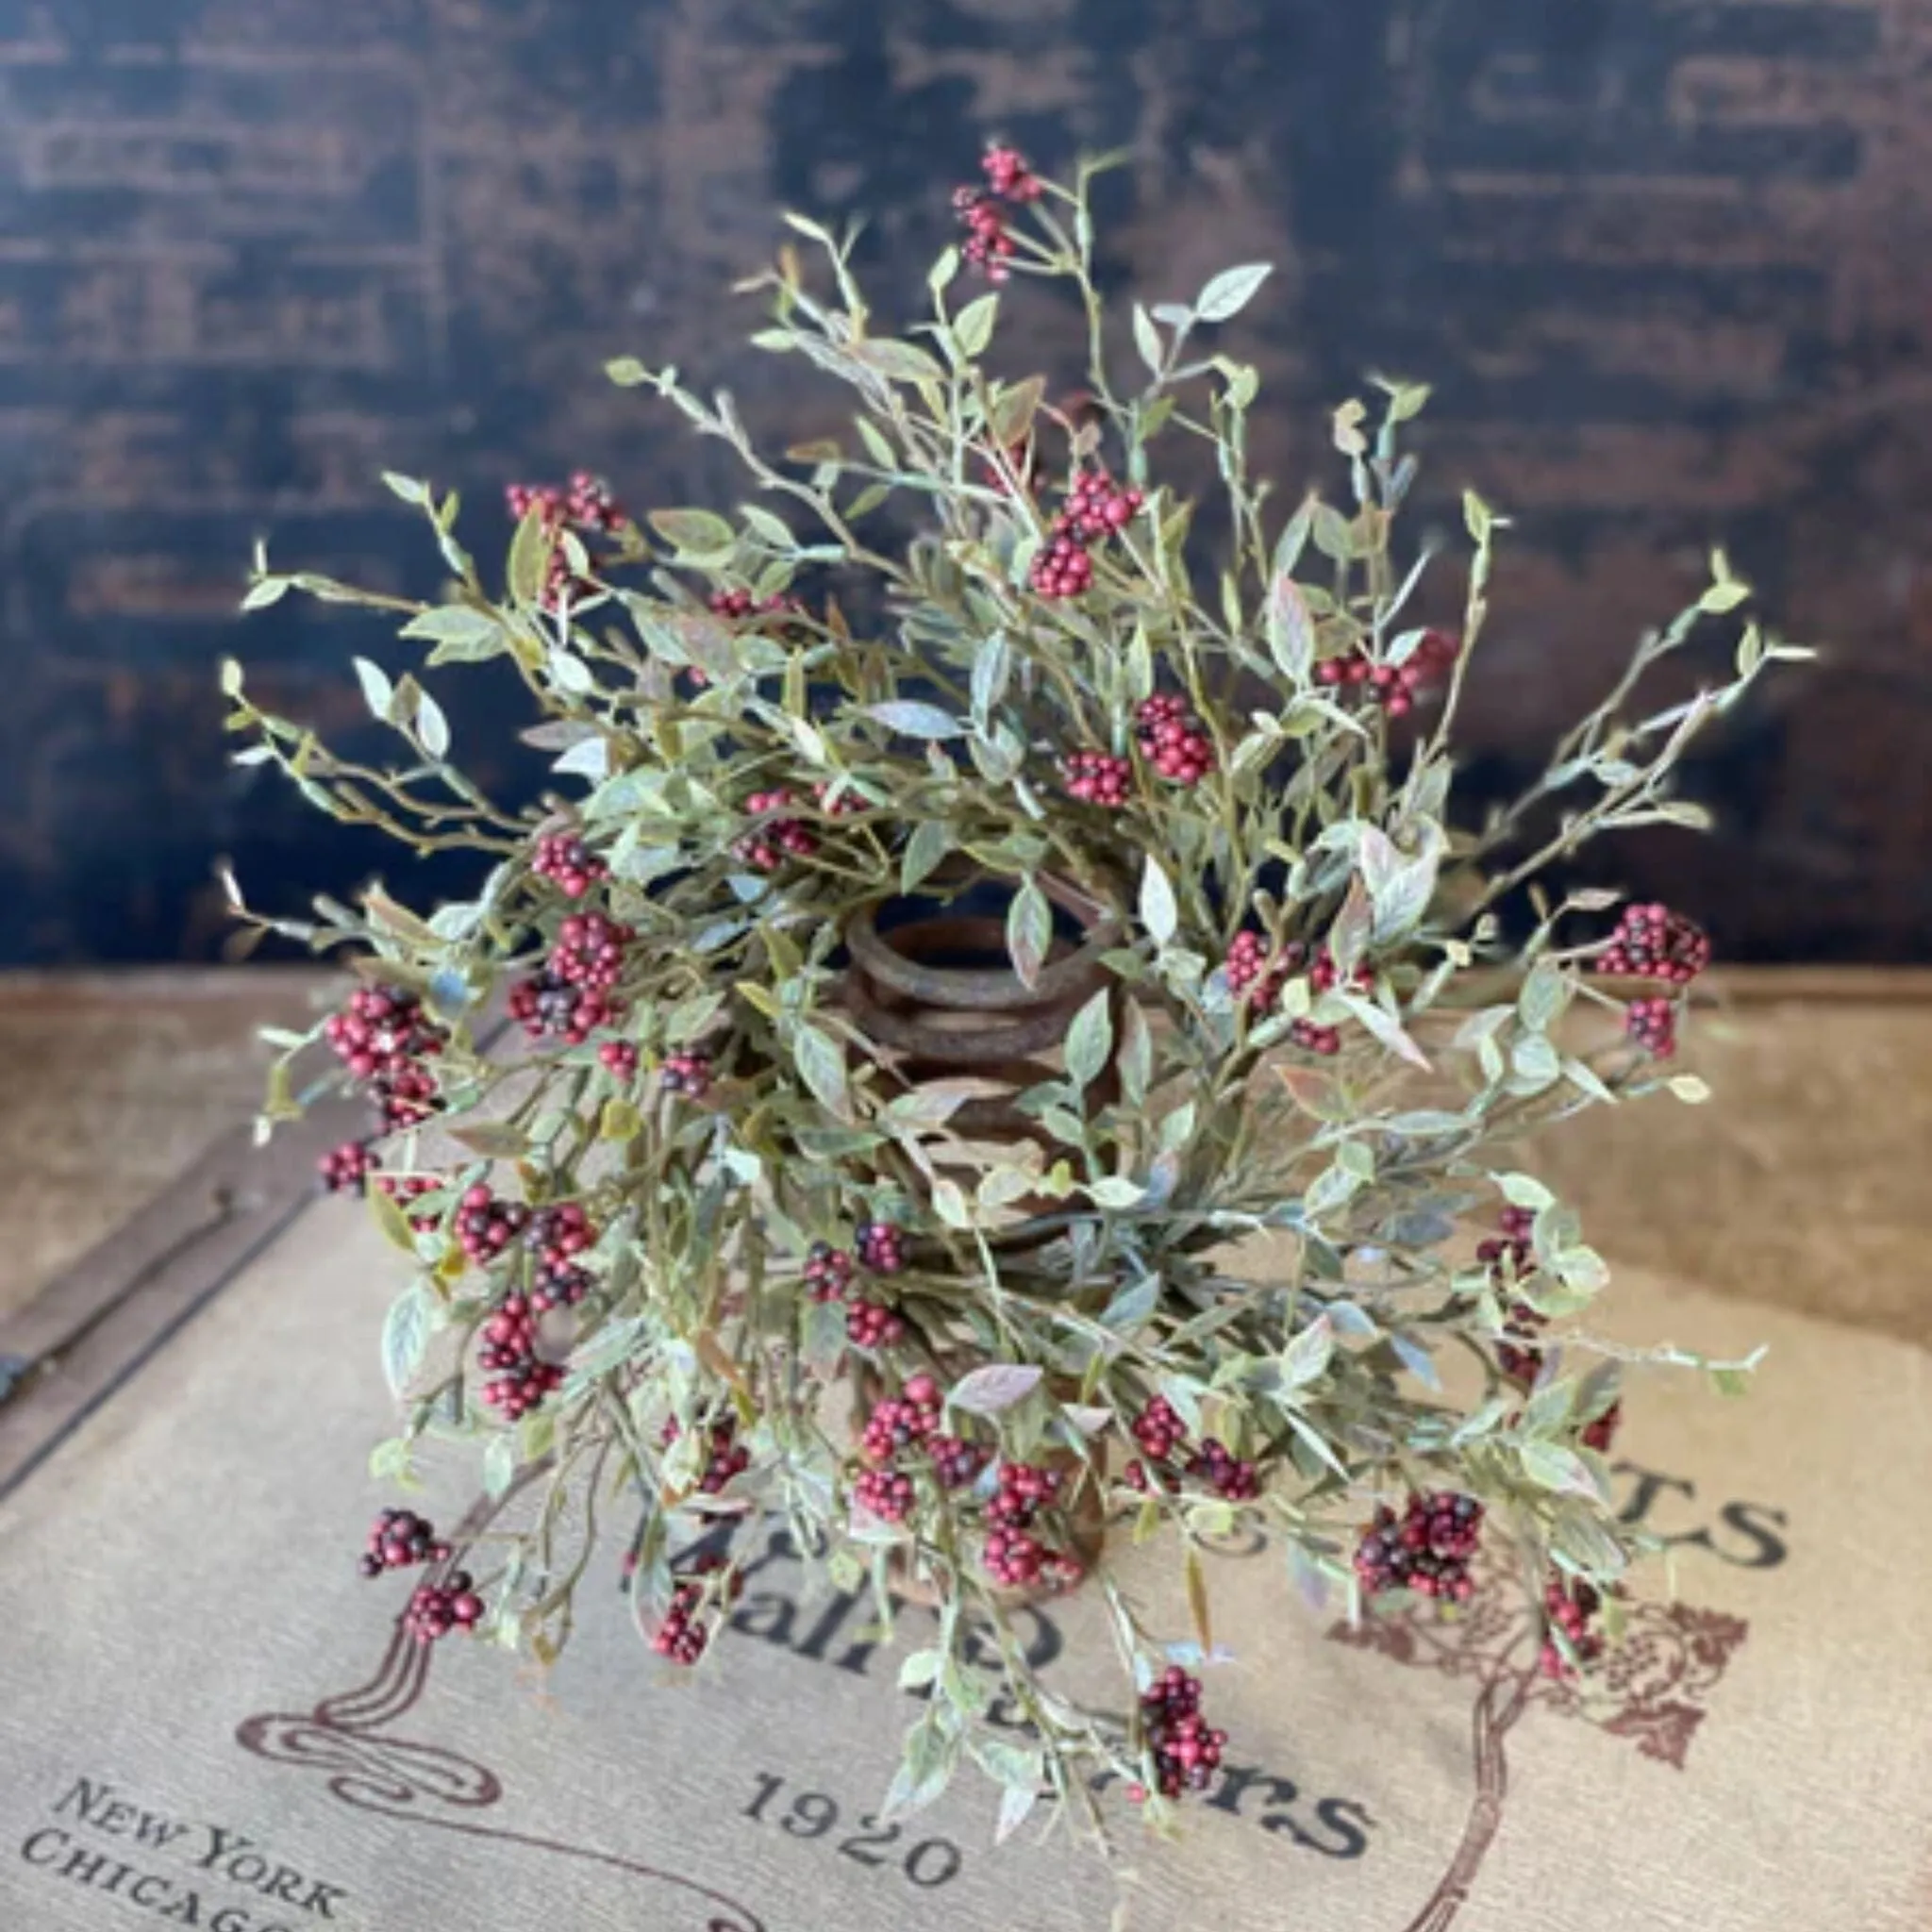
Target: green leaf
point(1290, 630)
point(897, 362)
point(499, 1466)
point(1524, 1191)
point(931, 841)
point(1159, 912)
point(394, 1222)
point(1690, 1089)
point(1230, 292)
point(1551, 1466)
point(1116, 1192)
point(529, 559)
point(821, 1063)
point(993, 1386)
point(693, 532)
point(1545, 993)
point(377, 692)
point(1090, 1039)
point(627, 372)
point(973, 324)
point(1029, 931)
point(432, 726)
point(1308, 1354)
point(407, 488)
point(1136, 1054)
point(916, 719)
point(405, 1336)
point(1147, 340)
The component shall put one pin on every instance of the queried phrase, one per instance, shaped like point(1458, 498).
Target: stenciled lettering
point(1750, 1521)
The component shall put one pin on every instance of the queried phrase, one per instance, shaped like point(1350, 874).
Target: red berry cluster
point(1061, 568)
point(1428, 1550)
point(520, 1379)
point(383, 1036)
point(1652, 1024)
point(880, 1247)
point(1007, 174)
point(1013, 1556)
point(684, 1635)
point(988, 245)
point(686, 1074)
point(1173, 739)
point(873, 1325)
point(621, 1059)
point(585, 503)
point(887, 1493)
point(485, 1225)
point(828, 1271)
point(1186, 1752)
point(767, 844)
point(737, 604)
point(564, 859)
point(399, 1539)
point(1249, 970)
point(560, 1231)
point(410, 1187)
point(437, 1609)
point(1094, 509)
point(1570, 1607)
point(1653, 943)
point(728, 1459)
point(1395, 687)
point(957, 1463)
point(347, 1168)
point(572, 994)
point(905, 1421)
point(1095, 777)
point(1163, 1435)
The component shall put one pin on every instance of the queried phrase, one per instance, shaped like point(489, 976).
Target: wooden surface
point(1802, 1184)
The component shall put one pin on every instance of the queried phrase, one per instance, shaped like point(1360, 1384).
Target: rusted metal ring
point(981, 988)
point(989, 1044)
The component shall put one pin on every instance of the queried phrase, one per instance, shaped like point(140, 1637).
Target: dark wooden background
point(1668, 262)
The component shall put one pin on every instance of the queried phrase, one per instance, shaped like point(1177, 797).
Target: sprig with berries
point(659, 1243)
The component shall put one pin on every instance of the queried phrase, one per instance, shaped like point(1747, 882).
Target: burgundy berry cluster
point(484, 1226)
point(564, 859)
point(1394, 687)
point(571, 995)
point(686, 1633)
point(1570, 1605)
point(585, 503)
point(1653, 943)
point(620, 1059)
point(520, 1379)
point(399, 1539)
point(1173, 738)
point(1013, 1556)
point(873, 1325)
point(686, 1075)
point(1426, 1550)
point(346, 1169)
point(880, 1247)
point(905, 1421)
point(558, 1234)
point(725, 1457)
point(437, 1609)
point(739, 604)
point(1509, 1256)
point(1252, 975)
point(1094, 508)
point(1098, 777)
point(768, 843)
point(987, 245)
point(383, 1036)
point(1186, 1752)
point(827, 1272)
point(843, 805)
point(403, 1188)
point(1163, 1436)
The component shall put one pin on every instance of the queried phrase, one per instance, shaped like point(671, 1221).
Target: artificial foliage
point(686, 1254)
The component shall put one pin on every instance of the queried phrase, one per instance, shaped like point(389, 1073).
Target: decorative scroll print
point(1646, 1690)
point(347, 1738)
